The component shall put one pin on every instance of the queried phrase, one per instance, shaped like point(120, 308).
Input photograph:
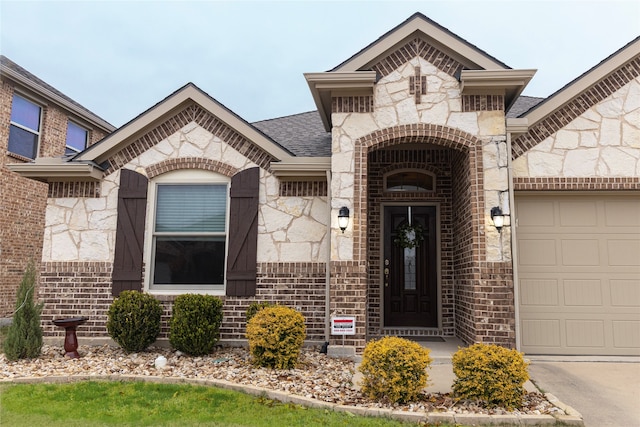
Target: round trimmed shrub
point(276, 335)
point(394, 369)
point(134, 320)
point(194, 327)
point(255, 307)
point(491, 373)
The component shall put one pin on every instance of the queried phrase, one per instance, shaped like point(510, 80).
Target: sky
point(119, 58)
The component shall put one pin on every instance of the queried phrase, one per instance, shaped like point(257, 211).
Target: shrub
point(394, 368)
point(194, 327)
point(490, 373)
point(276, 335)
point(134, 320)
point(24, 337)
point(255, 307)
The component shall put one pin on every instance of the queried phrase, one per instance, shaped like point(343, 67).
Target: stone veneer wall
point(438, 162)
point(603, 141)
point(22, 200)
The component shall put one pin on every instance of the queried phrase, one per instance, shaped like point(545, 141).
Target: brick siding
point(72, 289)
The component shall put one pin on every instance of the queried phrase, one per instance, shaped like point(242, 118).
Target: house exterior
point(424, 138)
point(36, 120)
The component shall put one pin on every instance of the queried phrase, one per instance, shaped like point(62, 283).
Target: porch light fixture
point(343, 218)
point(497, 217)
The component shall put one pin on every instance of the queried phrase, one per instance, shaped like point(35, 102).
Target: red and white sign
point(345, 325)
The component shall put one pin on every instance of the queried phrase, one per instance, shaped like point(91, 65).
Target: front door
point(409, 266)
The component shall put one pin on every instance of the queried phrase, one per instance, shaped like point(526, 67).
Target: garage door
point(579, 274)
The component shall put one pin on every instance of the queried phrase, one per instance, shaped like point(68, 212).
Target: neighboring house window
point(76, 138)
point(189, 236)
point(24, 131)
point(409, 180)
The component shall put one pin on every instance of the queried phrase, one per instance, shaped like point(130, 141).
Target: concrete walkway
point(605, 393)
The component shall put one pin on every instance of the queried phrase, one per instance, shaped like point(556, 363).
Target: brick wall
point(437, 162)
point(72, 289)
point(22, 200)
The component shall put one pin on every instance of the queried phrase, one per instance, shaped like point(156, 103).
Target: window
point(24, 131)
point(409, 180)
point(189, 242)
point(76, 138)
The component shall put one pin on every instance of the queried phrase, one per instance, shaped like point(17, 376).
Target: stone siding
point(291, 228)
point(603, 141)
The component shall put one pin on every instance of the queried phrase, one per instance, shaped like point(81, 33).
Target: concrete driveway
point(605, 393)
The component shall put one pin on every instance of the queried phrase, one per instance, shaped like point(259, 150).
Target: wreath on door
point(408, 235)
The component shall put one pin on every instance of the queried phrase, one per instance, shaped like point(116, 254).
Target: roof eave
point(100, 152)
point(582, 83)
point(469, 55)
point(54, 172)
point(57, 99)
point(302, 167)
point(326, 85)
point(509, 83)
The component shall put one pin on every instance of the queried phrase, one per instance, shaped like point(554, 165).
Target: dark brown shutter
point(243, 233)
point(132, 204)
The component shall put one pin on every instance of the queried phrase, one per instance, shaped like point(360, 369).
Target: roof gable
point(421, 36)
point(579, 95)
point(188, 103)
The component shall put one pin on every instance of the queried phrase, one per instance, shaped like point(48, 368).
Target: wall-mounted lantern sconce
point(343, 218)
point(497, 217)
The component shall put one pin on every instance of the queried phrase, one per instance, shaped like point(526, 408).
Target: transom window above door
point(409, 180)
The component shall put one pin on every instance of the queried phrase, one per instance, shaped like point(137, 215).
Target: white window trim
point(183, 176)
point(86, 139)
point(38, 133)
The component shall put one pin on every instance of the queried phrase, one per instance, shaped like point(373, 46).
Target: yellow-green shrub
point(491, 373)
point(394, 368)
point(276, 335)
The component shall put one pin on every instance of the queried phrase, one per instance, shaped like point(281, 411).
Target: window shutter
point(243, 233)
point(132, 204)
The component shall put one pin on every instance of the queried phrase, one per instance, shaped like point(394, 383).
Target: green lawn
point(149, 404)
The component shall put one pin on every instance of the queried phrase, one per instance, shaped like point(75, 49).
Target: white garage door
point(579, 274)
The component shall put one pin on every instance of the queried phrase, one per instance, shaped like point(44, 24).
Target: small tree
point(24, 338)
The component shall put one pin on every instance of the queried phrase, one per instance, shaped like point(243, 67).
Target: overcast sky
point(118, 58)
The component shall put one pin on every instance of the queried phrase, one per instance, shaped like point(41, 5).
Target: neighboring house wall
point(80, 233)
point(23, 199)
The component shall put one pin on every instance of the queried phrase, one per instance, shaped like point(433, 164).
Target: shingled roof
point(303, 134)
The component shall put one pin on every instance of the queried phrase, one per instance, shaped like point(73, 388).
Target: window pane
point(189, 260)
point(191, 208)
point(22, 142)
point(76, 138)
point(409, 181)
point(25, 113)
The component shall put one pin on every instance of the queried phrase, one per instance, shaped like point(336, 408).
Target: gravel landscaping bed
point(316, 376)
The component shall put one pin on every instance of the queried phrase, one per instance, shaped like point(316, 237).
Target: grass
point(150, 404)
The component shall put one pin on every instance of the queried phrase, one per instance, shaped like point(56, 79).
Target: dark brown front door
point(409, 273)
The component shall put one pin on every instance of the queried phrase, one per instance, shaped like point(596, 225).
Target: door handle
point(386, 273)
